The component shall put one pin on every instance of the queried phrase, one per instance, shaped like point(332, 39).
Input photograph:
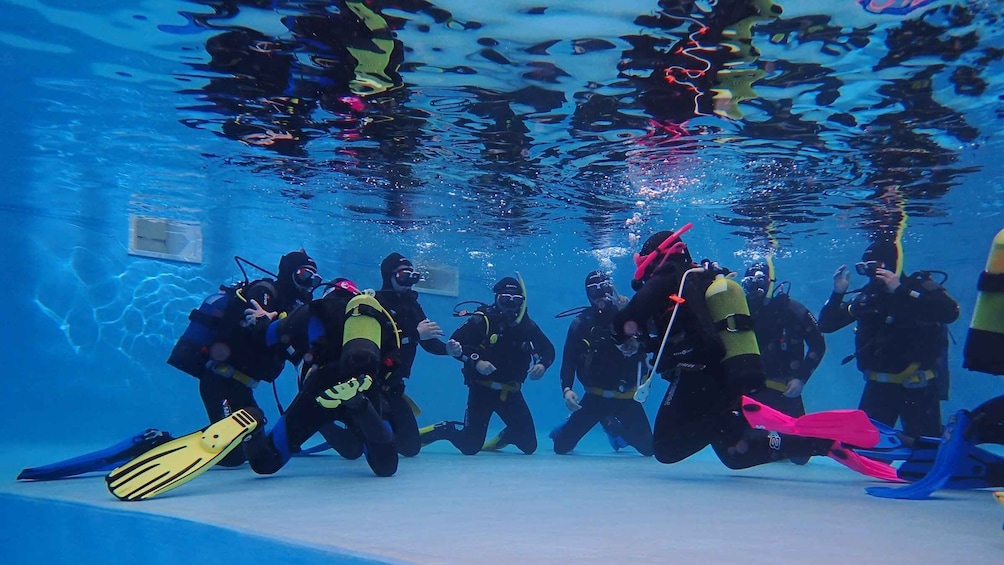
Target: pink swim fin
point(852, 427)
point(863, 465)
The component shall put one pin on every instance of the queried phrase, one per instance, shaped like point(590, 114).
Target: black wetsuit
point(609, 379)
point(488, 336)
point(702, 404)
point(332, 363)
point(901, 346)
point(791, 347)
point(407, 312)
point(228, 385)
point(987, 426)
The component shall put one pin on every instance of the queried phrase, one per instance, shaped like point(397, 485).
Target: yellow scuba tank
point(731, 315)
point(984, 350)
point(744, 372)
point(362, 321)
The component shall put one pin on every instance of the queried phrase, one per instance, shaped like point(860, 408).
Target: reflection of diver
point(900, 339)
point(608, 377)
point(692, 76)
point(273, 86)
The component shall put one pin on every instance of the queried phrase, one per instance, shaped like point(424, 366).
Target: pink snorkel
point(671, 246)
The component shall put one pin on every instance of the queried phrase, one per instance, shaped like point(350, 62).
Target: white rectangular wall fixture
point(442, 280)
point(163, 238)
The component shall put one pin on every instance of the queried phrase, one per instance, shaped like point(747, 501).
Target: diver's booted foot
point(343, 392)
point(496, 443)
point(436, 432)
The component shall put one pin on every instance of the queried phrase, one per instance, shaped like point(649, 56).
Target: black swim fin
point(103, 460)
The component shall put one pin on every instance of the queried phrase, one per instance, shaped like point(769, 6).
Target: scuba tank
point(192, 351)
point(986, 331)
point(730, 313)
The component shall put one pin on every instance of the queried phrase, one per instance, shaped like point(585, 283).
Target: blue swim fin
point(970, 471)
point(614, 430)
point(953, 449)
point(103, 460)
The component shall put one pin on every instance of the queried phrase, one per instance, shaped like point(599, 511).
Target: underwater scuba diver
point(353, 343)
point(956, 462)
point(709, 355)
point(791, 345)
point(398, 298)
point(901, 342)
point(608, 377)
point(501, 347)
point(225, 344)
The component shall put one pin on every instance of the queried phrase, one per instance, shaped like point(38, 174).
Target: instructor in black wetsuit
point(706, 382)
point(608, 377)
point(502, 346)
point(791, 345)
point(901, 341)
point(398, 298)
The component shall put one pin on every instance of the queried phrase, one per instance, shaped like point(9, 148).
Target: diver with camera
point(901, 340)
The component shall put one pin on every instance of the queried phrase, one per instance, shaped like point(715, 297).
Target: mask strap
point(666, 248)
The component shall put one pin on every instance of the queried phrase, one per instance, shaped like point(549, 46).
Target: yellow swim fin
point(178, 461)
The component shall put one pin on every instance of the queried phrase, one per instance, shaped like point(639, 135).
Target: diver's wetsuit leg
point(222, 397)
point(739, 446)
point(402, 420)
point(568, 435)
point(921, 411)
point(988, 419)
point(637, 431)
point(348, 442)
point(481, 402)
point(381, 452)
point(882, 401)
point(988, 427)
point(688, 417)
point(519, 428)
point(793, 407)
point(269, 452)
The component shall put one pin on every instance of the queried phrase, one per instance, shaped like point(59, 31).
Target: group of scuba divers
point(736, 355)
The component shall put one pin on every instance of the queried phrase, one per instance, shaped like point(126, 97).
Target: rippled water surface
point(509, 116)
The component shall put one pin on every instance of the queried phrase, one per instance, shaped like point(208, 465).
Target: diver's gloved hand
point(485, 367)
point(256, 312)
point(841, 280)
point(427, 329)
point(454, 349)
point(572, 400)
point(888, 278)
point(536, 371)
point(794, 388)
point(342, 392)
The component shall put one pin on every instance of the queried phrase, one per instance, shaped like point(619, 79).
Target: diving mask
point(306, 277)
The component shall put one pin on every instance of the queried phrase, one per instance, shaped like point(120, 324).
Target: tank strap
point(990, 282)
point(734, 323)
point(205, 319)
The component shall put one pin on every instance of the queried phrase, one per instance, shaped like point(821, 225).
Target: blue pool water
point(546, 138)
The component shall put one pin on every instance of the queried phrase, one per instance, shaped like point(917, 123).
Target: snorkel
point(670, 246)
